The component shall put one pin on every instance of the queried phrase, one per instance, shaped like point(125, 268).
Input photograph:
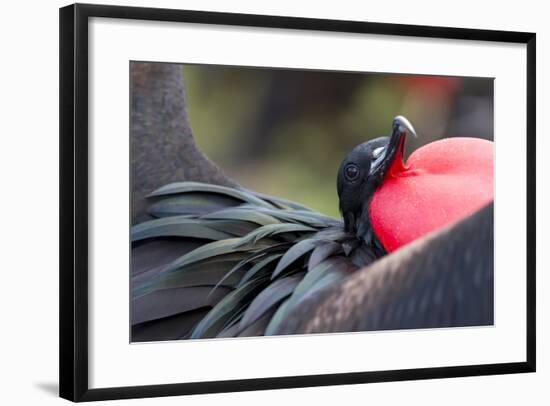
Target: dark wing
point(443, 280)
point(241, 258)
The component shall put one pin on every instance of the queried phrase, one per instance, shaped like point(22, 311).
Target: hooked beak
point(401, 127)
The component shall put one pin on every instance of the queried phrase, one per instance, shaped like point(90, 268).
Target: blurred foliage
point(285, 132)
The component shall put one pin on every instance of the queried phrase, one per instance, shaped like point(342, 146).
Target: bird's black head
point(363, 170)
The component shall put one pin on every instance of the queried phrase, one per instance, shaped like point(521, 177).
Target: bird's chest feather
point(442, 183)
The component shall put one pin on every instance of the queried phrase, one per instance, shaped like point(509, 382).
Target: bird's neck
point(364, 231)
point(162, 144)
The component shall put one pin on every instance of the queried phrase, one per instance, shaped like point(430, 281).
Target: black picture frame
point(74, 169)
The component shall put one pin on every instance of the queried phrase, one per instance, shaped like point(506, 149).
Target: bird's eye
point(351, 171)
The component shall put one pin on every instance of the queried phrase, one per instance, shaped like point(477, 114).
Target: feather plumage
point(246, 258)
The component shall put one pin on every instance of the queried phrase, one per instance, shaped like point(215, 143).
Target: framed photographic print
point(249, 202)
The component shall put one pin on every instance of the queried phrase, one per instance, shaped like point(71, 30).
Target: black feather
point(167, 302)
point(169, 328)
point(239, 257)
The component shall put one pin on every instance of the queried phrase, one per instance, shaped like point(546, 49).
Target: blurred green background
point(285, 132)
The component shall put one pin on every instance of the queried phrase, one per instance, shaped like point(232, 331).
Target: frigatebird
point(222, 261)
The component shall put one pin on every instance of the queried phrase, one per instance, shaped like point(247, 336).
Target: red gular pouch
point(440, 184)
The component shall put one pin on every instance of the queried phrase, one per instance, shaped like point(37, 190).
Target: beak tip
point(404, 125)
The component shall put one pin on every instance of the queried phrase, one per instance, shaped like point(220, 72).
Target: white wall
point(29, 177)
